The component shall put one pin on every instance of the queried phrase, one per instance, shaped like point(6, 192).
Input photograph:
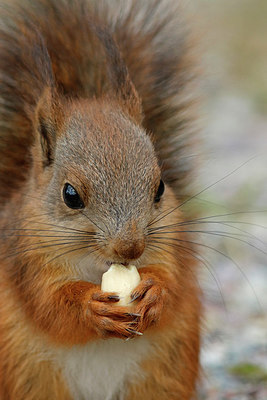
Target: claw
point(134, 315)
point(114, 297)
point(134, 332)
point(134, 297)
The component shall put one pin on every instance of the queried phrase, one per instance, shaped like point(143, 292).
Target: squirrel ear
point(46, 125)
point(120, 80)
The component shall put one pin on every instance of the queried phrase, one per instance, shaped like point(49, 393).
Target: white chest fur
point(98, 371)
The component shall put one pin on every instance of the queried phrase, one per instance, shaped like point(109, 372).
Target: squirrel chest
point(102, 371)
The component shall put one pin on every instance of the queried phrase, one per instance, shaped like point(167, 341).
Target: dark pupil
point(159, 192)
point(71, 197)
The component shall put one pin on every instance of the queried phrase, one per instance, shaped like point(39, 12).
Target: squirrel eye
point(71, 197)
point(160, 191)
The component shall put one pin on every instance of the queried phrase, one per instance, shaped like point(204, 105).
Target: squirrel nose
point(129, 249)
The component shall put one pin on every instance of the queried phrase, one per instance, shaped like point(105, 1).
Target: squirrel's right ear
point(47, 121)
point(122, 86)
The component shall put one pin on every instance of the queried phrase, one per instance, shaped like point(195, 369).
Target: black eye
point(71, 197)
point(160, 191)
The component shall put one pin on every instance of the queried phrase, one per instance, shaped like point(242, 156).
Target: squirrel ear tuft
point(120, 80)
point(46, 125)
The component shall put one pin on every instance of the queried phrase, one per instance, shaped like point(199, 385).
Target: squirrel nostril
point(129, 250)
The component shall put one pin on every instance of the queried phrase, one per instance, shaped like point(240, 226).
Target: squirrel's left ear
point(46, 123)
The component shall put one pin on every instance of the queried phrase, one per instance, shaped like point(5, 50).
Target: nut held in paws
point(122, 280)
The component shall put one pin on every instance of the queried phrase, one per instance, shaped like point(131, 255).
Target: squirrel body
point(96, 129)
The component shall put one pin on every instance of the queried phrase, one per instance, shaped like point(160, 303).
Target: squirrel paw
point(150, 297)
point(110, 320)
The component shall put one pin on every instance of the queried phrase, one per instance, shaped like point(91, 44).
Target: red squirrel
point(96, 128)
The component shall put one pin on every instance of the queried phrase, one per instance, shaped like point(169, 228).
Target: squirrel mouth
point(125, 263)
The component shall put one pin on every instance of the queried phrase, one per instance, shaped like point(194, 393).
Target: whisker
point(194, 276)
point(229, 224)
point(211, 202)
point(59, 241)
point(17, 220)
point(204, 190)
point(228, 258)
point(53, 236)
point(154, 220)
point(189, 231)
point(207, 264)
point(249, 234)
point(149, 244)
point(58, 226)
point(223, 234)
point(61, 237)
point(228, 214)
point(89, 219)
point(203, 220)
point(45, 246)
point(70, 251)
point(86, 255)
point(204, 261)
point(46, 230)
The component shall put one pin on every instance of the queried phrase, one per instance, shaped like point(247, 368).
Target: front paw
point(108, 319)
point(150, 297)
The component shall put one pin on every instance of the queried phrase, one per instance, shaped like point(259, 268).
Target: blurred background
point(233, 41)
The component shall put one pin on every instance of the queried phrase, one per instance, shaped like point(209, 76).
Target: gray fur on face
point(115, 163)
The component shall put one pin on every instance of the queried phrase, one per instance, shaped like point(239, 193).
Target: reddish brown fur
point(82, 120)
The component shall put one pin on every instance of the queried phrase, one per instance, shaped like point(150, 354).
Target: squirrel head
point(97, 175)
